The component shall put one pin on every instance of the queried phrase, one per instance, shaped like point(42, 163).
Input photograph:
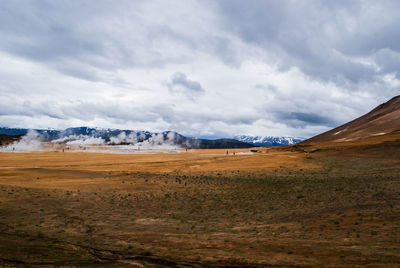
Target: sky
point(209, 68)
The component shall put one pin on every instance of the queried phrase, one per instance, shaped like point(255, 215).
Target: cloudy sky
point(203, 68)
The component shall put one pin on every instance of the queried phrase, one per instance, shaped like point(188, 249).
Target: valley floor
point(287, 206)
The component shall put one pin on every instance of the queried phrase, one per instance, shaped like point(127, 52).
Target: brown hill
point(383, 120)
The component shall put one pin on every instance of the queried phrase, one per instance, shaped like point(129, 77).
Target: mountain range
point(118, 136)
point(267, 140)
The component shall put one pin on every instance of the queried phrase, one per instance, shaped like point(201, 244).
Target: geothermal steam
point(33, 141)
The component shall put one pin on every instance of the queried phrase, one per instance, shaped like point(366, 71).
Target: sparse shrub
point(146, 253)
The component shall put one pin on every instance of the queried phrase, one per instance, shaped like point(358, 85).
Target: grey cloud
point(179, 83)
point(120, 113)
point(316, 36)
point(269, 88)
point(85, 111)
point(109, 110)
point(49, 33)
point(306, 111)
point(76, 38)
point(308, 118)
point(79, 71)
point(79, 38)
point(388, 60)
point(232, 118)
point(180, 79)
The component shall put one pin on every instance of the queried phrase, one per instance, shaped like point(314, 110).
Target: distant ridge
point(267, 140)
point(118, 136)
point(382, 120)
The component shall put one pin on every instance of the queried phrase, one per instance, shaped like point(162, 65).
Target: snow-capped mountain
point(267, 140)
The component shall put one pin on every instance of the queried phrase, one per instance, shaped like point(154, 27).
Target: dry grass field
point(314, 205)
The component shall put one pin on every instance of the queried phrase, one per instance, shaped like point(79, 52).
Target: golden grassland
point(311, 205)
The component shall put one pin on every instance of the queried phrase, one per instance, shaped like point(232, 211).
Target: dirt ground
point(314, 205)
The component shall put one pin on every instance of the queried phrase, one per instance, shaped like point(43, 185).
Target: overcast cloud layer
point(202, 68)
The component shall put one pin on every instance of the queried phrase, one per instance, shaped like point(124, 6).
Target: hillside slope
point(384, 119)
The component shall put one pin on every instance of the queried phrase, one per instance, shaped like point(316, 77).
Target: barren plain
point(305, 205)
